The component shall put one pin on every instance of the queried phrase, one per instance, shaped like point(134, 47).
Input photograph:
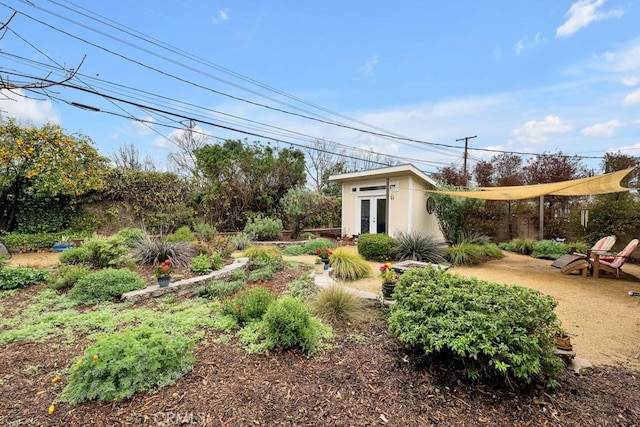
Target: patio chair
point(615, 266)
point(571, 263)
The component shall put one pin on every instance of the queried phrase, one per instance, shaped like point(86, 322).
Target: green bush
point(20, 242)
point(293, 250)
point(201, 264)
point(306, 235)
point(3, 261)
point(288, 323)
point(152, 251)
point(492, 330)
point(20, 277)
point(549, 249)
point(506, 246)
point(68, 275)
point(311, 247)
point(375, 247)
point(241, 241)
point(105, 285)
point(418, 247)
point(249, 304)
point(124, 363)
point(261, 275)
point(217, 260)
point(303, 287)
point(263, 228)
point(261, 256)
point(348, 265)
point(219, 289)
point(465, 254)
point(204, 231)
point(182, 234)
point(106, 251)
point(78, 255)
point(336, 303)
point(131, 235)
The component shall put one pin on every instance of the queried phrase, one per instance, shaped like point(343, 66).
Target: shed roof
point(385, 172)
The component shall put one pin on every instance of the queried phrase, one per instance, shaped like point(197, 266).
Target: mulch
point(366, 378)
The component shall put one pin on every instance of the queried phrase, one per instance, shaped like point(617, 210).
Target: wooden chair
point(614, 266)
point(571, 263)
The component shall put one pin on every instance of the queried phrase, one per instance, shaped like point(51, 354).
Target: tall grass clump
point(154, 250)
point(465, 254)
point(336, 303)
point(418, 247)
point(523, 245)
point(348, 265)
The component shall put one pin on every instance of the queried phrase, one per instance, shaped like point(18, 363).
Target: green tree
point(297, 206)
point(39, 163)
point(246, 178)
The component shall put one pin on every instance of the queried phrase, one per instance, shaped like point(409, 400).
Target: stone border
point(184, 286)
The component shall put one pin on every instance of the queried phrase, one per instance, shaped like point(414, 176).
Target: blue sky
point(523, 76)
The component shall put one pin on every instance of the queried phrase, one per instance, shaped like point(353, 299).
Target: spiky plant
point(154, 250)
point(523, 246)
point(348, 265)
point(418, 247)
point(465, 254)
point(336, 303)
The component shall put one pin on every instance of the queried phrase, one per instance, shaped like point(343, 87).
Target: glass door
point(373, 215)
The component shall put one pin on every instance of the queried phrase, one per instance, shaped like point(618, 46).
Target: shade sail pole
point(541, 226)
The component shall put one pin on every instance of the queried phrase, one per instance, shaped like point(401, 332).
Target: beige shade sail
point(602, 184)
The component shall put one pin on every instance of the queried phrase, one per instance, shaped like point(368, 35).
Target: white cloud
point(632, 99)
point(144, 128)
point(16, 105)
point(630, 81)
point(527, 44)
point(369, 65)
point(166, 142)
point(535, 132)
point(582, 13)
point(220, 17)
point(601, 130)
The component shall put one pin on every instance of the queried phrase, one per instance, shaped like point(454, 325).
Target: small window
point(354, 189)
point(373, 188)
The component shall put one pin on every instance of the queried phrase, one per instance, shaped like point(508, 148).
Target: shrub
point(201, 264)
point(204, 231)
point(491, 330)
point(578, 246)
point(79, 255)
point(221, 245)
point(106, 251)
point(216, 261)
point(337, 303)
point(264, 255)
point(348, 265)
point(152, 251)
point(522, 245)
point(20, 277)
point(105, 285)
point(549, 249)
point(3, 261)
point(311, 247)
point(492, 250)
point(130, 235)
point(293, 250)
point(307, 235)
point(19, 242)
point(121, 364)
point(182, 234)
point(418, 247)
point(506, 246)
point(68, 275)
point(219, 288)
point(375, 247)
point(288, 323)
point(241, 241)
point(263, 228)
point(249, 304)
point(303, 287)
point(260, 275)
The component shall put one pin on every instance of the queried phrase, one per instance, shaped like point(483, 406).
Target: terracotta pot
point(563, 342)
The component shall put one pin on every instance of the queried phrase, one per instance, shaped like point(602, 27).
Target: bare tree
point(323, 159)
point(128, 157)
point(188, 141)
point(369, 159)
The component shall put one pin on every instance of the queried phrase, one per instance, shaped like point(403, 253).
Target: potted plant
point(389, 279)
point(318, 265)
point(163, 273)
point(324, 255)
point(563, 340)
point(63, 244)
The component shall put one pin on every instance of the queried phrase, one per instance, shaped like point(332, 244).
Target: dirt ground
point(365, 378)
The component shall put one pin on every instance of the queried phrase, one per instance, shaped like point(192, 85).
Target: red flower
point(319, 251)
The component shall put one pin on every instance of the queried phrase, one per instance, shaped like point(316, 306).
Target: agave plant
point(418, 247)
point(154, 250)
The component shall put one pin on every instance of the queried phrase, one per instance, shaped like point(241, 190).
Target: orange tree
point(44, 163)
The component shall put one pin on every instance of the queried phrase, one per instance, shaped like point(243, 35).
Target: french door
point(372, 212)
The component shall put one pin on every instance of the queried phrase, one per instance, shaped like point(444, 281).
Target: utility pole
point(466, 149)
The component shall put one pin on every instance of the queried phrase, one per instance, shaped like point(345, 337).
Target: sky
point(519, 76)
